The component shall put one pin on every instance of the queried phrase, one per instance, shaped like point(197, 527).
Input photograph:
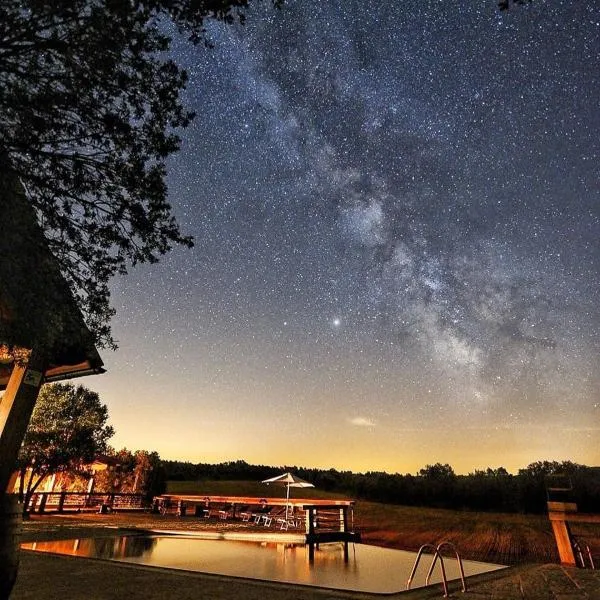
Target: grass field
point(507, 539)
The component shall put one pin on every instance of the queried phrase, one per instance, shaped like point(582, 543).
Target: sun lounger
point(225, 512)
point(203, 510)
point(245, 513)
point(276, 513)
point(294, 520)
point(258, 515)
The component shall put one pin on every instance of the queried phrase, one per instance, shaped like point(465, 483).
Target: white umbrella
point(289, 480)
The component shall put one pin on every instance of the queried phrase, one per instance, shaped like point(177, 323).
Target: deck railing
point(328, 523)
point(77, 501)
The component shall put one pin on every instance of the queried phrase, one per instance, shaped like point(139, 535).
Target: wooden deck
point(232, 506)
point(323, 521)
point(198, 499)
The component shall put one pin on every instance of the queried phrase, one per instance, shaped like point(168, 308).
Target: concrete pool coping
point(326, 584)
point(91, 578)
point(52, 577)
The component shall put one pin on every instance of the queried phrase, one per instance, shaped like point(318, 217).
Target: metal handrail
point(437, 553)
point(458, 559)
point(578, 550)
point(417, 560)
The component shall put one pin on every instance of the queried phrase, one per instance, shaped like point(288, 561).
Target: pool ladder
point(579, 553)
point(437, 553)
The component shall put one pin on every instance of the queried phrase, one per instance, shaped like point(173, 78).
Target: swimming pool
point(369, 569)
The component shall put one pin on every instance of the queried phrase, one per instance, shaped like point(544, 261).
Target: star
point(417, 178)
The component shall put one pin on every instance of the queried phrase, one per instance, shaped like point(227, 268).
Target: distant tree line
point(434, 485)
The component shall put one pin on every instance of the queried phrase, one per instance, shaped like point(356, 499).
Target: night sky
point(396, 212)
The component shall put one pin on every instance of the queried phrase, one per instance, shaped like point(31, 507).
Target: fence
point(60, 502)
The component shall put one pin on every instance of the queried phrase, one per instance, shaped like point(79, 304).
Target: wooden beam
point(564, 543)
point(575, 518)
point(255, 500)
point(325, 537)
point(559, 513)
point(16, 407)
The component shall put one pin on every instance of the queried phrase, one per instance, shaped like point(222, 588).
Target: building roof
point(37, 308)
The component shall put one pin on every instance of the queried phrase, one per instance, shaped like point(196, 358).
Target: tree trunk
point(10, 528)
point(22, 474)
point(31, 488)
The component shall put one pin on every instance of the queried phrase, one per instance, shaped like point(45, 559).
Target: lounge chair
point(258, 515)
point(276, 513)
point(244, 513)
point(225, 512)
point(203, 510)
point(294, 520)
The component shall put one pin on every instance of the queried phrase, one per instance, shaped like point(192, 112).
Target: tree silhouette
point(89, 109)
point(67, 431)
point(437, 471)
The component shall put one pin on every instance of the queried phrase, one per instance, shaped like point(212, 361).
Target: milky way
point(396, 212)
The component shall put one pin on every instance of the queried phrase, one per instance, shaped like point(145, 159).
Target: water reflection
point(108, 548)
point(369, 568)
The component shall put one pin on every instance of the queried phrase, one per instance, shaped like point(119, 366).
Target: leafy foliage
point(437, 471)
point(137, 472)
point(89, 108)
point(67, 431)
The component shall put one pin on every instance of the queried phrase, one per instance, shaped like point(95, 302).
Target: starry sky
point(396, 213)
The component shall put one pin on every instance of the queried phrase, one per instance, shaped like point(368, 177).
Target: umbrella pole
point(287, 501)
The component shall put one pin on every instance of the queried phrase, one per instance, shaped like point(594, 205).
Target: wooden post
point(557, 512)
point(344, 518)
point(90, 490)
point(16, 407)
point(310, 531)
point(562, 535)
point(344, 528)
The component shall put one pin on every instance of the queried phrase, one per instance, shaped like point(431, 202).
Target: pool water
point(369, 568)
